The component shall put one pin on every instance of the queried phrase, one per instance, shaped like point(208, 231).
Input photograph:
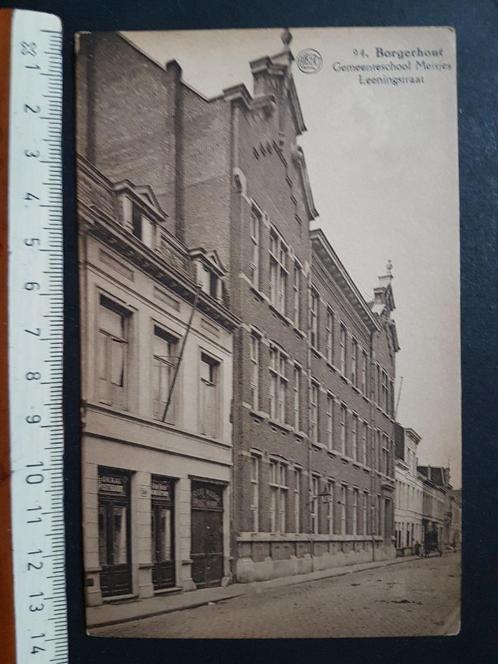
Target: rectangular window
point(278, 272)
point(354, 362)
point(255, 368)
point(297, 500)
point(254, 267)
point(378, 391)
point(373, 457)
point(278, 497)
point(343, 507)
point(364, 378)
point(364, 445)
point(355, 511)
point(314, 314)
point(330, 422)
point(342, 341)
point(112, 352)
point(164, 348)
point(378, 511)
point(314, 504)
point(354, 437)
point(378, 455)
point(137, 222)
point(283, 498)
point(255, 472)
point(344, 429)
point(297, 295)
point(391, 398)
point(297, 398)
point(385, 455)
point(330, 507)
point(385, 392)
point(330, 336)
point(209, 378)
point(278, 384)
point(364, 518)
point(315, 410)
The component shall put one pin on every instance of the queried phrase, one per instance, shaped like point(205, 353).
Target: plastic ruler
point(35, 293)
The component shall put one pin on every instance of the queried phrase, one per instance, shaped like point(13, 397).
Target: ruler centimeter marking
point(35, 296)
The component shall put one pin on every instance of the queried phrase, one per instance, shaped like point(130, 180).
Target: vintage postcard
point(270, 332)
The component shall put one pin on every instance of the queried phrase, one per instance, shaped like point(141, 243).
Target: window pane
point(111, 321)
point(119, 535)
point(164, 542)
point(102, 355)
point(103, 535)
point(117, 362)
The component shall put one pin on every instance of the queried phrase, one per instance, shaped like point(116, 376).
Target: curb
point(255, 587)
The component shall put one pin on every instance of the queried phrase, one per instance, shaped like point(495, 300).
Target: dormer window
point(209, 281)
point(142, 227)
point(209, 272)
point(137, 222)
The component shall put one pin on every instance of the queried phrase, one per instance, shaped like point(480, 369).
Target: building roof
point(323, 249)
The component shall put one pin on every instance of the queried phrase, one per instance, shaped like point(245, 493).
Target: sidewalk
point(120, 612)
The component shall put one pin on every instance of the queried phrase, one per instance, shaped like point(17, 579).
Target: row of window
point(280, 271)
point(115, 326)
point(407, 496)
point(353, 360)
point(338, 501)
point(408, 534)
point(285, 377)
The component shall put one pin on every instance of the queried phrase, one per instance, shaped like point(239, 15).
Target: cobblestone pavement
point(407, 599)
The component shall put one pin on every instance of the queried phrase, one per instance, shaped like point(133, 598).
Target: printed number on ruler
point(35, 337)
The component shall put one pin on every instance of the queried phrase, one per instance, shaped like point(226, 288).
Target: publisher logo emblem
point(309, 61)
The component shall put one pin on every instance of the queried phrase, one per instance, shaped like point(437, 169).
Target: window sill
point(301, 435)
point(286, 321)
point(355, 388)
point(259, 414)
point(319, 446)
point(332, 366)
point(259, 294)
point(285, 428)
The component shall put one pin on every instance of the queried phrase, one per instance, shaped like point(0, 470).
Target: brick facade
point(231, 177)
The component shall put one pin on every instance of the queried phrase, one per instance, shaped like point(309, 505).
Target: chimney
point(175, 132)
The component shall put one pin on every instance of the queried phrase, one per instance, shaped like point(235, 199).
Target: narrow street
point(418, 597)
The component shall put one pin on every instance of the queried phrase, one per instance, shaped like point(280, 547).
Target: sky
point(383, 166)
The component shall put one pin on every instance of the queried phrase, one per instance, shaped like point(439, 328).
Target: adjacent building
point(438, 504)
point(238, 389)
point(156, 461)
point(409, 510)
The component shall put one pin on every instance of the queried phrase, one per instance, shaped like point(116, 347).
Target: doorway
point(114, 531)
point(162, 532)
point(207, 534)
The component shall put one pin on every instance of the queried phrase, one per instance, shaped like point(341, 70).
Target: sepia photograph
point(269, 281)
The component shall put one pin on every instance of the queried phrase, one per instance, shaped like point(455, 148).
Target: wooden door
point(207, 534)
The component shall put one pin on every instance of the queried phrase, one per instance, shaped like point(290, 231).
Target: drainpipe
point(310, 449)
point(372, 433)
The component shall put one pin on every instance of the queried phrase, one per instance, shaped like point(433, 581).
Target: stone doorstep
point(113, 614)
